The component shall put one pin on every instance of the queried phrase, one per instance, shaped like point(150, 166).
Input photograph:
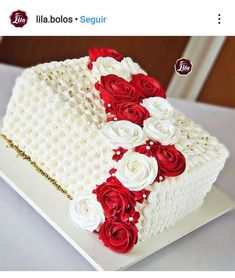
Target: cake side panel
point(172, 200)
point(56, 131)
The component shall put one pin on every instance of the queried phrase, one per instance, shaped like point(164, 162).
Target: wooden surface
point(157, 55)
point(220, 86)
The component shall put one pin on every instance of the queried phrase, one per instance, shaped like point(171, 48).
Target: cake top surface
point(72, 83)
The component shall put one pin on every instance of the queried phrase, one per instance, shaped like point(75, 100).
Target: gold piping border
point(23, 155)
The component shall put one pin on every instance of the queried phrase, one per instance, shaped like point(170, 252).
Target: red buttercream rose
point(130, 111)
point(171, 162)
point(95, 53)
point(119, 236)
point(115, 199)
point(114, 89)
point(147, 86)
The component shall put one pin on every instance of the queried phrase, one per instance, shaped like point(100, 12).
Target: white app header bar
point(120, 17)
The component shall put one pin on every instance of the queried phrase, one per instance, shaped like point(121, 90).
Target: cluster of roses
point(118, 232)
point(122, 101)
point(122, 98)
point(171, 162)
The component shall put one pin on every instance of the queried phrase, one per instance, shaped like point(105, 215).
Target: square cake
point(103, 133)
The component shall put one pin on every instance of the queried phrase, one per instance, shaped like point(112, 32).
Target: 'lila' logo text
point(18, 18)
point(183, 66)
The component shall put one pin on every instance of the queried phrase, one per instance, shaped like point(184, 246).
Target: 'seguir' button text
point(93, 20)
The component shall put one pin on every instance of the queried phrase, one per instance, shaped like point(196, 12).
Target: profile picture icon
point(19, 18)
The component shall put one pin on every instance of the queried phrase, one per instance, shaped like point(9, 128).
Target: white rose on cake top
point(160, 108)
point(107, 65)
point(136, 171)
point(123, 134)
point(86, 211)
point(163, 131)
point(133, 68)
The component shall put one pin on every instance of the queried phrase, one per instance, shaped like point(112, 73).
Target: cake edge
point(24, 156)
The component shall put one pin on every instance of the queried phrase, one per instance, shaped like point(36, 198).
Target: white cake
point(57, 119)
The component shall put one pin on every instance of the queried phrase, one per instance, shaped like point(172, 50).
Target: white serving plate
point(53, 206)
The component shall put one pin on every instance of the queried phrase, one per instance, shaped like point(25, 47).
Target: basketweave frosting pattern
point(174, 199)
point(55, 116)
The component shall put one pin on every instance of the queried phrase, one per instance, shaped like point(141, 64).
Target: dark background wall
point(220, 85)
point(157, 55)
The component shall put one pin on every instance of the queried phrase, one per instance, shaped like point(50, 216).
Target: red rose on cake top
point(171, 162)
point(129, 111)
point(114, 89)
point(147, 86)
point(95, 53)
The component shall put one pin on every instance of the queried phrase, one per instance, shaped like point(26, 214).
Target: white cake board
point(53, 206)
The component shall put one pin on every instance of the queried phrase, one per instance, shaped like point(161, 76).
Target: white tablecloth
point(28, 242)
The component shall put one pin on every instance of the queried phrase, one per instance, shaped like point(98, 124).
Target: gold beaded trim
point(27, 157)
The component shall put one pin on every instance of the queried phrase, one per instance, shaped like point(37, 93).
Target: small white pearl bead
point(148, 148)
point(115, 119)
point(118, 152)
point(144, 196)
point(131, 219)
point(109, 105)
point(160, 178)
point(151, 143)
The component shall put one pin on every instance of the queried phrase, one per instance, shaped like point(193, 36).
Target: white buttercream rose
point(136, 171)
point(160, 108)
point(131, 67)
point(163, 131)
point(86, 211)
point(107, 65)
point(123, 134)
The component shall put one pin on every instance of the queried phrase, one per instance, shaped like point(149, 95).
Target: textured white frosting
point(174, 198)
point(56, 117)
